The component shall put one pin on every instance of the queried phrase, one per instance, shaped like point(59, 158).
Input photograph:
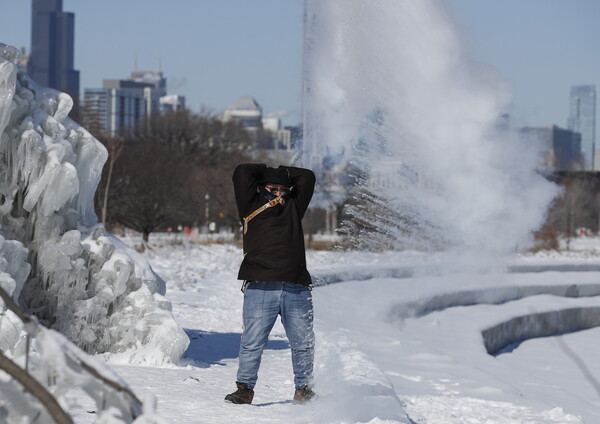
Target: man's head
point(276, 181)
point(278, 176)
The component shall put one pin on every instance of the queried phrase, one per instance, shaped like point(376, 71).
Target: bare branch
point(36, 389)
point(109, 382)
point(12, 306)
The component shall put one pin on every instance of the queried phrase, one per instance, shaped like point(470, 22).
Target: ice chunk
point(14, 270)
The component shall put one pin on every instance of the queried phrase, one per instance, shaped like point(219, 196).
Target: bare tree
point(152, 188)
point(171, 170)
point(203, 137)
point(578, 207)
point(214, 181)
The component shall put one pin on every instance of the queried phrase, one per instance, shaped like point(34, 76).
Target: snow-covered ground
point(400, 343)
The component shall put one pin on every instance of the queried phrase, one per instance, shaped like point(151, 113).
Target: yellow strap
point(267, 205)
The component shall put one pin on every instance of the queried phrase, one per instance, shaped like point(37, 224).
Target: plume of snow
point(391, 91)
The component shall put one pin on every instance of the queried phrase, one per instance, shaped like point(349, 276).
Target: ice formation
point(56, 260)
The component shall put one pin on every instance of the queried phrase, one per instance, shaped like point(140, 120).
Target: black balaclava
point(266, 193)
point(279, 176)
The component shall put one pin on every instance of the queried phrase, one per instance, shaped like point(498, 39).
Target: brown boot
point(303, 395)
point(242, 395)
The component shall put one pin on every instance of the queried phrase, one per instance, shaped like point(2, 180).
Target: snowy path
point(373, 364)
point(210, 309)
point(442, 373)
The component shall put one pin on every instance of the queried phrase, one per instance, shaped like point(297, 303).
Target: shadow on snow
point(209, 348)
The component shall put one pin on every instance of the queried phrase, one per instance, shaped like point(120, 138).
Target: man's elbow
point(242, 170)
point(311, 179)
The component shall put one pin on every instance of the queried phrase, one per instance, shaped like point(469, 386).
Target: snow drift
point(56, 260)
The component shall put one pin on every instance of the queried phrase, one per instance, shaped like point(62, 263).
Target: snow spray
point(391, 98)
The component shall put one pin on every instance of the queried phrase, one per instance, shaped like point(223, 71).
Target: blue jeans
point(263, 302)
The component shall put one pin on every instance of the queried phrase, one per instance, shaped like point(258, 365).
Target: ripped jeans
point(263, 302)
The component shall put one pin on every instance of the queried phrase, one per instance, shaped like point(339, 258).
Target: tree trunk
point(106, 191)
point(115, 147)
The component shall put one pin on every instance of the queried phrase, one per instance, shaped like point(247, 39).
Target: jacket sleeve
point(245, 181)
point(304, 186)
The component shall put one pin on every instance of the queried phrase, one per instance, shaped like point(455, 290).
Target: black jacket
point(274, 242)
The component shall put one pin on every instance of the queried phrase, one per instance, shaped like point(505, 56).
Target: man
point(271, 203)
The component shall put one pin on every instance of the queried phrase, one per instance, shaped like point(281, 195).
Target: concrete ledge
point(489, 296)
point(339, 275)
point(516, 330)
point(581, 267)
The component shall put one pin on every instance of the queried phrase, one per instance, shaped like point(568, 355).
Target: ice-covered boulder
point(56, 260)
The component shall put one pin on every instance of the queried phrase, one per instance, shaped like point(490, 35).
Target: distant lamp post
point(206, 207)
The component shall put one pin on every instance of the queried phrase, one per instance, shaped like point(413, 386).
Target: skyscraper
point(52, 47)
point(118, 106)
point(582, 119)
point(560, 149)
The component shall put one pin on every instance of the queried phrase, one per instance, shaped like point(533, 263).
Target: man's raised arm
point(245, 181)
point(304, 185)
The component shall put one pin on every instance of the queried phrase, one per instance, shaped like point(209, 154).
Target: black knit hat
point(276, 176)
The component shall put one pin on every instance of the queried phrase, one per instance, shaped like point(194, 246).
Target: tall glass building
point(582, 119)
point(52, 47)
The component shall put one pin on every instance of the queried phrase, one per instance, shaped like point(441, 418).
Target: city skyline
point(216, 52)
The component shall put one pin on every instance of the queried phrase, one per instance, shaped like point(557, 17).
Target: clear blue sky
point(215, 51)
point(542, 47)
